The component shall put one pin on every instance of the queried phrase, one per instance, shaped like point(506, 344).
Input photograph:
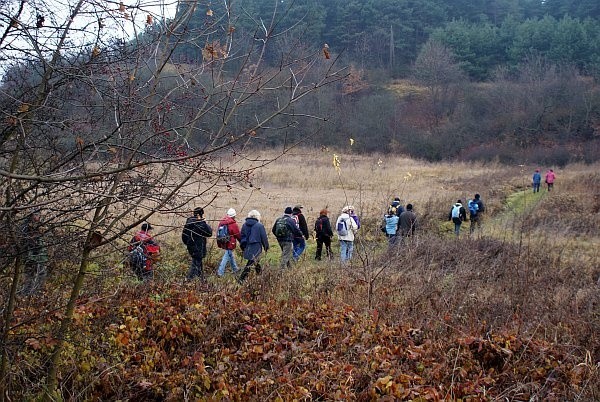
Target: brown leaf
point(95, 51)
point(209, 12)
point(326, 51)
point(121, 7)
point(148, 19)
point(23, 108)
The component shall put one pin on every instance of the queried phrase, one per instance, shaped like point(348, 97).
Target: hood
point(227, 220)
point(458, 204)
point(251, 221)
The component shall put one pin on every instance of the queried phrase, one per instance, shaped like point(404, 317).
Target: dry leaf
point(79, 142)
point(23, 108)
point(148, 19)
point(95, 51)
point(209, 12)
point(326, 51)
point(121, 7)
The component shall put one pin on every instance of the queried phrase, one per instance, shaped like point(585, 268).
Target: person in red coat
point(144, 251)
point(229, 245)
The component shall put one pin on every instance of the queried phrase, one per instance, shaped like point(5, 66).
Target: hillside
point(510, 313)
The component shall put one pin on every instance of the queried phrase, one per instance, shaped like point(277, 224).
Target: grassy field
point(510, 313)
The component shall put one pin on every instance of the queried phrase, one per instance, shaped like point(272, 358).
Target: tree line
point(389, 34)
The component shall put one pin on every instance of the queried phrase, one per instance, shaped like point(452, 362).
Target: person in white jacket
point(345, 229)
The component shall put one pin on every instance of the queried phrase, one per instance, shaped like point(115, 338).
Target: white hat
point(231, 212)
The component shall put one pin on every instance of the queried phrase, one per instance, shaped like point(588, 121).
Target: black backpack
point(281, 227)
point(137, 259)
point(319, 225)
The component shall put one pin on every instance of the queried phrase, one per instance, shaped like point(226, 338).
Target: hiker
point(144, 251)
point(253, 241)
point(285, 229)
point(228, 232)
point(457, 214)
point(323, 234)
point(480, 204)
point(194, 235)
point(395, 208)
point(537, 179)
point(550, 177)
point(408, 222)
point(390, 227)
point(299, 242)
point(473, 208)
point(36, 254)
point(346, 228)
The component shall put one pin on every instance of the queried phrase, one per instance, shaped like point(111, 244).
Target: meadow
point(509, 313)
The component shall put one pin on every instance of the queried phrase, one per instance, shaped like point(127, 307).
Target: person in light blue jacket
point(391, 228)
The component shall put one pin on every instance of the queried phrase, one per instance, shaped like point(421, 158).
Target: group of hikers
point(548, 179)
point(291, 231)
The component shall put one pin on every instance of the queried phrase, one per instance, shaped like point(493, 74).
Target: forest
point(118, 115)
point(475, 80)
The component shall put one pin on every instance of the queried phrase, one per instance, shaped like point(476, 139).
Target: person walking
point(550, 177)
point(299, 242)
point(346, 228)
point(194, 235)
point(473, 208)
point(228, 233)
point(408, 222)
point(395, 208)
point(391, 227)
point(36, 254)
point(323, 234)
point(143, 252)
point(536, 180)
point(285, 229)
point(457, 214)
point(253, 241)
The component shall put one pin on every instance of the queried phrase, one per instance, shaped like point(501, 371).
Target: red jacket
point(233, 229)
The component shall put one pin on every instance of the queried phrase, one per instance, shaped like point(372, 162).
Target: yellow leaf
point(209, 12)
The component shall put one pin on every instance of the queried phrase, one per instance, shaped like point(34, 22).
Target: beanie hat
point(231, 212)
point(288, 210)
point(146, 226)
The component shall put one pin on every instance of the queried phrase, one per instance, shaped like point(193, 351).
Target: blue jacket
point(391, 224)
point(537, 178)
point(254, 239)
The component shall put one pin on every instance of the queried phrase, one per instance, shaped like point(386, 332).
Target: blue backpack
point(223, 236)
point(473, 207)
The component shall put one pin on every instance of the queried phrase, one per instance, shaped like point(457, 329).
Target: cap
point(288, 210)
point(231, 212)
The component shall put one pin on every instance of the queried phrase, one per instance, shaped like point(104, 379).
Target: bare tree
point(101, 129)
point(436, 69)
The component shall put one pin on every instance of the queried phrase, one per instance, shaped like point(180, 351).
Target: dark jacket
point(480, 206)
point(292, 232)
point(253, 239)
point(302, 224)
point(462, 214)
point(323, 227)
point(194, 236)
point(396, 207)
point(408, 223)
point(233, 230)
